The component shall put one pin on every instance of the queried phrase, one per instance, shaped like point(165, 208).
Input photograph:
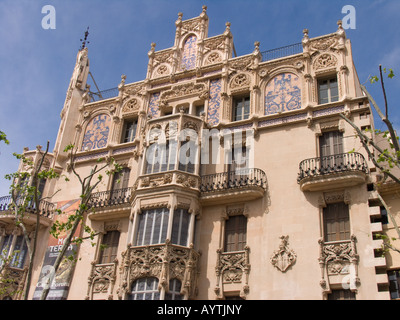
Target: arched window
point(282, 94)
point(96, 134)
point(189, 53)
point(174, 292)
point(145, 289)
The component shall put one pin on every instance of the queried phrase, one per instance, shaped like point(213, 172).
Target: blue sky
point(36, 64)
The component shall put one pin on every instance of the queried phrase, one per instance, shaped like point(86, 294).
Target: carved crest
point(283, 258)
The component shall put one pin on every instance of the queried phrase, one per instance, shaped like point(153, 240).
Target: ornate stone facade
point(184, 231)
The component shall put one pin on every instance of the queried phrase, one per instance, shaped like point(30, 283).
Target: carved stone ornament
point(325, 61)
point(163, 261)
point(283, 258)
point(213, 57)
point(131, 106)
point(184, 90)
point(239, 81)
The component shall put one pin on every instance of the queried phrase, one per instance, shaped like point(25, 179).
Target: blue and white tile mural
point(282, 94)
point(96, 134)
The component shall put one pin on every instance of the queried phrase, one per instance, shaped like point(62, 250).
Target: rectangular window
point(160, 157)
point(235, 233)
point(121, 179)
point(336, 222)
point(152, 228)
point(108, 251)
point(5, 248)
point(331, 149)
point(241, 108)
point(342, 295)
point(394, 284)
point(180, 227)
point(328, 90)
point(187, 156)
point(129, 131)
point(199, 110)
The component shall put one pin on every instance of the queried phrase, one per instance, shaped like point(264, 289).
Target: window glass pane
point(152, 227)
point(174, 290)
point(180, 227)
point(130, 131)
point(336, 222)
point(145, 289)
point(19, 253)
point(235, 233)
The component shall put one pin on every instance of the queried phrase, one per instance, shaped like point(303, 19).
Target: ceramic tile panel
point(189, 53)
point(97, 131)
point(214, 104)
point(282, 94)
point(154, 110)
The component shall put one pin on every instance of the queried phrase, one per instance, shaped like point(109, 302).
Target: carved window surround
point(338, 261)
point(102, 281)
point(163, 261)
point(232, 271)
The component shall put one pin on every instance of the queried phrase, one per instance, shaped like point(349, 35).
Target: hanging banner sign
point(61, 281)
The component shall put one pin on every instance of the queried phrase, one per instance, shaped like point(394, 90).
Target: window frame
point(333, 219)
point(239, 103)
point(127, 137)
point(236, 227)
point(152, 290)
point(109, 253)
point(180, 227)
point(144, 234)
point(330, 98)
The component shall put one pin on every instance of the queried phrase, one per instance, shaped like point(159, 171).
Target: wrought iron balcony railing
point(102, 95)
point(341, 162)
point(233, 179)
point(282, 52)
point(46, 209)
point(110, 198)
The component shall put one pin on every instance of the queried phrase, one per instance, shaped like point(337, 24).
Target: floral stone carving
point(283, 258)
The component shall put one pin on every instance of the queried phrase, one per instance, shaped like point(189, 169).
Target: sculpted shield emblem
point(283, 258)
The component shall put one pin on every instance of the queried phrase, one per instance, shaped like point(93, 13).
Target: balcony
point(107, 201)
point(335, 171)
point(46, 209)
point(246, 184)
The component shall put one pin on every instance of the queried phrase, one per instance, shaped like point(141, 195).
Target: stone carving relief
point(232, 268)
point(132, 106)
point(163, 261)
point(284, 257)
point(102, 279)
point(213, 57)
point(338, 259)
point(325, 61)
point(239, 81)
point(185, 90)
